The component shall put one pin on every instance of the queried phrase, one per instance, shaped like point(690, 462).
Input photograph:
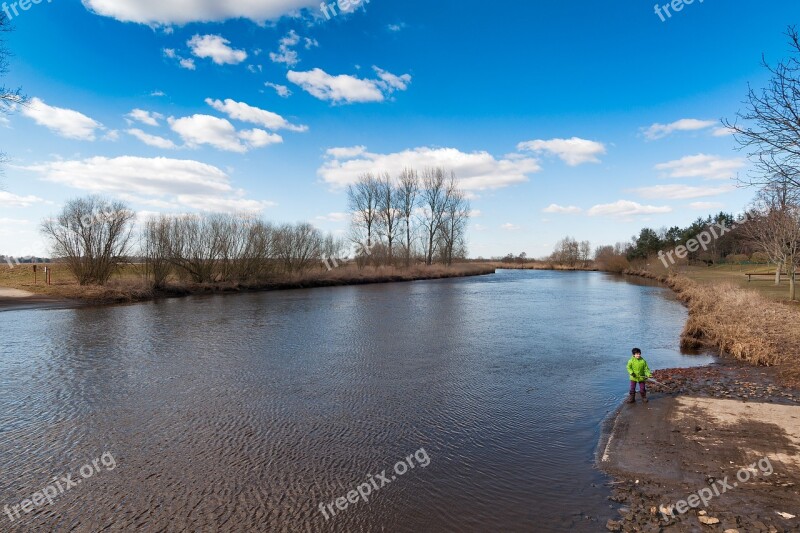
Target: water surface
point(246, 412)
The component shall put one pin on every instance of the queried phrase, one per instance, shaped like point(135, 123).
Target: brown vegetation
point(130, 284)
point(739, 323)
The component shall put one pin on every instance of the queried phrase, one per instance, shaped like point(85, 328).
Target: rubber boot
point(632, 398)
point(644, 396)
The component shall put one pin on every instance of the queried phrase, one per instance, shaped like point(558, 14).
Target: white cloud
point(706, 206)
point(281, 90)
point(286, 53)
point(659, 131)
point(344, 89)
point(164, 12)
point(475, 170)
point(187, 63)
point(625, 209)
point(258, 138)
point(8, 199)
point(160, 182)
point(335, 217)
point(145, 117)
point(215, 47)
point(565, 210)
point(681, 192)
point(510, 227)
point(723, 132)
point(702, 166)
point(573, 152)
point(348, 152)
point(152, 140)
point(247, 113)
point(396, 27)
point(64, 122)
point(219, 133)
point(392, 82)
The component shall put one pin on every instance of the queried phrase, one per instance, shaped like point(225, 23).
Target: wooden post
point(34, 274)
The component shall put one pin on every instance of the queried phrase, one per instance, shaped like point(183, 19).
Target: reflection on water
point(246, 412)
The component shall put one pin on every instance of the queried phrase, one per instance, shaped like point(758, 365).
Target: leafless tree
point(433, 201)
point(585, 252)
point(194, 246)
point(92, 236)
point(298, 246)
point(9, 98)
point(454, 222)
point(567, 252)
point(363, 200)
point(408, 189)
point(769, 128)
point(156, 249)
point(389, 208)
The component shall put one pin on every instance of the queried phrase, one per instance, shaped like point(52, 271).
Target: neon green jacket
point(638, 369)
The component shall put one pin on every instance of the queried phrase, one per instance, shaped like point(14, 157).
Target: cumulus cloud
point(659, 131)
point(64, 122)
point(286, 53)
point(145, 117)
point(216, 48)
point(711, 167)
point(573, 152)
point(344, 89)
point(8, 199)
point(563, 210)
point(626, 209)
point(247, 113)
point(281, 90)
point(161, 182)
point(152, 140)
point(164, 12)
point(681, 192)
point(220, 133)
point(475, 170)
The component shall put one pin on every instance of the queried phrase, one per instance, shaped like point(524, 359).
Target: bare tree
point(408, 189)
point(433, 200)
point(454, 222)
point(585, 252)
point(9, 98)
point(363, 201)
point(769, 129)
point(298, 246)
point(389, 208)
point(156, 249)
point(194, 246)
point(92, 236)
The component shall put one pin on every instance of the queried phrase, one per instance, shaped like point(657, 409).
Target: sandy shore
point(726, 433)
point(15, 299)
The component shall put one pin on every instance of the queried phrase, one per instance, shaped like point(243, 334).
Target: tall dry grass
point(738, 322)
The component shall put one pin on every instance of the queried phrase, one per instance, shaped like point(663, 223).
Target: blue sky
point(582, 118)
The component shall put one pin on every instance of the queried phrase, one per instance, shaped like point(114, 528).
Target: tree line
point(412, 217)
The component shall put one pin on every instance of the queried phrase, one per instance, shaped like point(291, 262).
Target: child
point(639, 372)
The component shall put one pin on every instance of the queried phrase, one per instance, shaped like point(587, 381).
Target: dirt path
point(716, 449)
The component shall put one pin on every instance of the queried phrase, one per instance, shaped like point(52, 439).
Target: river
point(252, 412)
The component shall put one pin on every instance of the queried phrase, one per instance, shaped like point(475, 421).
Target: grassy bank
point(738, 322)
point(129, 283)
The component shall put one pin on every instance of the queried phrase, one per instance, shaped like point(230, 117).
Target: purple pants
point(642, 387)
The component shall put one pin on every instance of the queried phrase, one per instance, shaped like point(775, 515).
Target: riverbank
point(730, 427)
point(130, 286)
point(706, 423)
